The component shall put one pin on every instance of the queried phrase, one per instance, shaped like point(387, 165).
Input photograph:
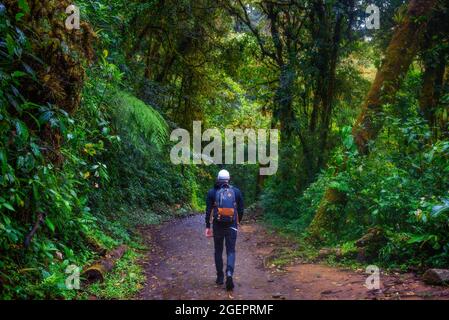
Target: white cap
point(224, 175)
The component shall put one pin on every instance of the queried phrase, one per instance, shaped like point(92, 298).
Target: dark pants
point(227, 234)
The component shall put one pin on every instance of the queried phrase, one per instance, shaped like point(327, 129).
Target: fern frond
point(139, 121)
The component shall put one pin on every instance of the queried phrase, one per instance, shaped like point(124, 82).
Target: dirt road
point(180, 266)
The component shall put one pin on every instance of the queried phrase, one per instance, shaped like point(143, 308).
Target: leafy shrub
point(401, 186)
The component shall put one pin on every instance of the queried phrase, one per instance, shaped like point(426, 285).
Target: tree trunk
point(284, 112)
point(284, 100)
point(327, 215)
point(98, 270)
point(443, 121)
point(432, 83)
point(259, 184)
point(328, 98)
point(398, 57)
point(402, 49)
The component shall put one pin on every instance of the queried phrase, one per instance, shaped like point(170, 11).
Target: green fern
point(139, 121)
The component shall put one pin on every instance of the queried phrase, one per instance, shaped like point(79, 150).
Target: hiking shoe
point(229, 283)
point(219, 280)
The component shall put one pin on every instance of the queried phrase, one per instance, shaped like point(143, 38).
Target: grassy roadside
point(302, 251)
point(124, 282)
point(299, 250)
point(127, 277)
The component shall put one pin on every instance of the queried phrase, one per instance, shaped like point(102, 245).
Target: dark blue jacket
point(210, 200)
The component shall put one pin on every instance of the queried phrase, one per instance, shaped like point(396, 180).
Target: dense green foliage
point(401, 186)
point(107, 178)
point(85, 118)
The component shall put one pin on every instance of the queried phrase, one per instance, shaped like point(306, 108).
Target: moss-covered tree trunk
point(58, 60)
point(402, 49)
point(328, 214)
point(60, 52)
point(400, 53)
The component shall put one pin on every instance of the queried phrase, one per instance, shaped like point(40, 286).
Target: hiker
point(225, 202)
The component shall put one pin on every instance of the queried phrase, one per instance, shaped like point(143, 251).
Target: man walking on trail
point(225, 204)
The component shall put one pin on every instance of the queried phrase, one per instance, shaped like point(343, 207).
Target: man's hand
point(208, 232)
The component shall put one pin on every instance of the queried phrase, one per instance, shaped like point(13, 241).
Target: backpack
point(225, 204)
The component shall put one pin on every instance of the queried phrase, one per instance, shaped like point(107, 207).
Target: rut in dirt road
point(180, 265)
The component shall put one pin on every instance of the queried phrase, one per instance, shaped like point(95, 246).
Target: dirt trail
point(180, 266)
